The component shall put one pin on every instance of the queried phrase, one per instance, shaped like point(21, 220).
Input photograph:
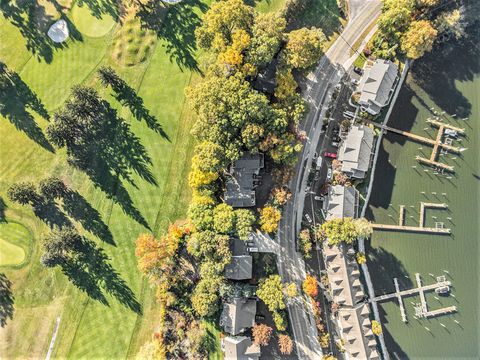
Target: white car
point(309, 219)
point(329, 174)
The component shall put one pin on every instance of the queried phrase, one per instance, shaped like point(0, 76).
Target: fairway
point(157, 71)
point(13, 238)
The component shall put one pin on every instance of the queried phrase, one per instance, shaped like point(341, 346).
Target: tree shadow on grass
point(98, 8)
point(6, 300)
point(32, 21)
point(176, 26)
point(77, 207)
point(3, 207)
point(49, 212)
point(127, 96)
point(16, 102)
point(111, 154)
point(91, 271)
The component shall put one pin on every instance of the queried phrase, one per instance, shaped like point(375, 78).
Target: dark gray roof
point(240, 187)
point(240, 268)
point(240, 348)
point(238, 315)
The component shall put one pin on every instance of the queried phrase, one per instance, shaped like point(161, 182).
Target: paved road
point(317, 90)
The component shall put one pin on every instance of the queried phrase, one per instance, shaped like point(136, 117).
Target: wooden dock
point(420, 290)
point(447, 126)
point(417, 229)
point(424, 205)
point(401, 218)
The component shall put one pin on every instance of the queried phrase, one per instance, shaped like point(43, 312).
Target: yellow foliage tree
point(376, 327)
point(290, 290)
point(361, 258)
point(269, 219)
point(418, 39)
point(198, 178)
point(286, 85)
point(304, 47)
point(310, 286)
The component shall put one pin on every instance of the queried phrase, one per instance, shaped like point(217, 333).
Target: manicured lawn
point(91, 329)
point(15, 240)
point(322, 14)
point(214, 349)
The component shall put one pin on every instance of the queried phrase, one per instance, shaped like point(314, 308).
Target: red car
point(330, 155)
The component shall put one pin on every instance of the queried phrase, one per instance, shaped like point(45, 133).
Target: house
point(240, 348)
point(341, 202)
point(238, 315)
point(377, 85)
point(245, 176)
point(356, 331)
point(356, 151)
point(240, 267)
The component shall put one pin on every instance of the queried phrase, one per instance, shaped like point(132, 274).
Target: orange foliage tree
point(285, 344)
point(310, 286)
point(261, 334)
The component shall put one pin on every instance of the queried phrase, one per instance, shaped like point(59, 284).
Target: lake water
point(447, 80)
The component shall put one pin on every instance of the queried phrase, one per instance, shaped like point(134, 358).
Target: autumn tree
point(261, 334)
point(269, 219)
point(361, 258)
point(244, 220)
point(310, 286)
point(220, 22)
point(363, 227)
point(23, 193)
point(286, 85)
point(223, 219)
point(270, 292)
point(376, 327)
point(305, 242)
point(280, 195)
point(225, 107)
point(418, 39)
point(304, 47)
point(209, 157)
point(201, 216)
point(338, 230)
point(205, 295)
point(285, 344)
point(450, 22)
point(279, 319)
point(267, 34)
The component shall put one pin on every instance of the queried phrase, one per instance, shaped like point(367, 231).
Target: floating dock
point(422, 310)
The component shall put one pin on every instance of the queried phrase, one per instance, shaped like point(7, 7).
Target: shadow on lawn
point(6, 300)
point(176, 25)
point(33, 21)
point(16, 101)
point(98, 8)
point(91, 271)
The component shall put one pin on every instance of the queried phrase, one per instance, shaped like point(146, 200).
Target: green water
point(447, 80)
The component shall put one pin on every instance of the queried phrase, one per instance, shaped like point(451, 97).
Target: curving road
point(317, 90)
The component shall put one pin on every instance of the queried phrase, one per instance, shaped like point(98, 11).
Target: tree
point(338, 230)
point(450, 22)
point(197, 338)
point(60, 246)
point(151, 350)
point(290, 290)
point(225, 107)
point(310, 286)
point(269, 219)
point(23, 193)
point(304, 47)
point(244, 220)
point(233, 55)
point(418, 39)
point(261, 334)
point(267, 33)
point(280, 195)
point(270, 292)
point(252, 134)
point(209, 157)
point(361, 258)
point(395, 18)
point(376, 327)
point(201, 216)
point(363, 227)
point(286, 85)
point(428, 3)
point(285, 344)
point(220, 22)
point(305, 241)
point(198, 178)
point(279, 320)
point(205, 295)
point(155, 257)
point(52, 187)
point(223, 219)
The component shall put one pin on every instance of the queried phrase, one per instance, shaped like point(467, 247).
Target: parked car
point(329, 174)
point(309, 219)
point(252, 249)
point(319, 198)
point(358, 70)
point(335, 143)
point(330, 155)
point(355, 82)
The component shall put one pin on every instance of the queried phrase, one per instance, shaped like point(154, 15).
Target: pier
point(421, 311)
point(437, 143)
point(438, 229)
